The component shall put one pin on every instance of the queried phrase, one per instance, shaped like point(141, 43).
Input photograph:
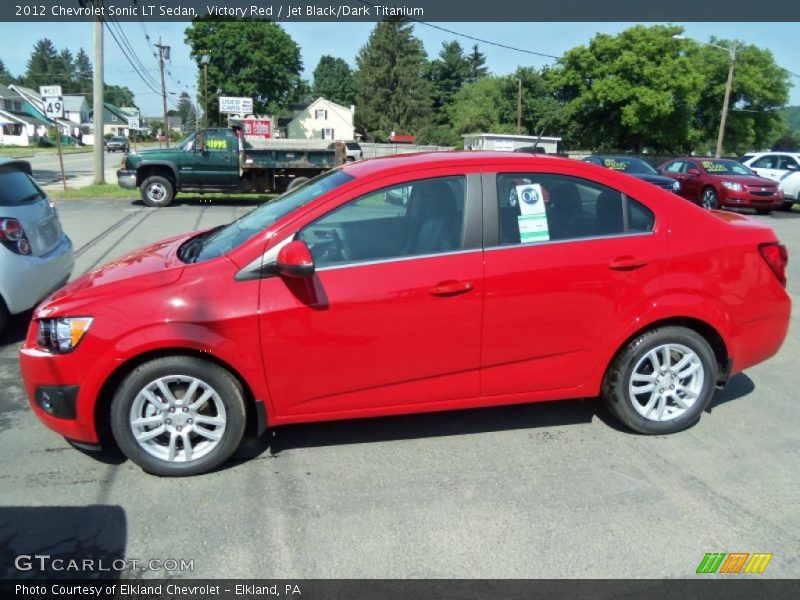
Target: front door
point(392, 316)
point(215, 165)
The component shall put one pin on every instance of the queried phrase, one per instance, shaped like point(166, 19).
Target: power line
point(473, 38)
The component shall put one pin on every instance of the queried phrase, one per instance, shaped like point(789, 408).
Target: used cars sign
point(242, 106)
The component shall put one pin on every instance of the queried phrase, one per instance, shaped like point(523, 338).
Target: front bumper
point(33, 278)
point(126, 179)
point(746, 200)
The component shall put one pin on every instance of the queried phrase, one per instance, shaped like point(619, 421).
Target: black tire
point(763, 211)
point(295, 183)
point(787, 205)
point(708, 199)
point(157, 191)
point(229, 393)
point(3, 315)
point(619, 400)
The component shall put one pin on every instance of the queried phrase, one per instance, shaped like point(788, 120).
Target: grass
point(27, 151)
point(111, 191)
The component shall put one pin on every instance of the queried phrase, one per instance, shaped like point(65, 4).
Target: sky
point(345, 39)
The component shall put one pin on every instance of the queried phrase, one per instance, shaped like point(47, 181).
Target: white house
point(19, 125)
point(70, 124)
point(507, 142)
point(322, 120)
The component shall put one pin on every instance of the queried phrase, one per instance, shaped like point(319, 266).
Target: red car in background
point(410, 284)
point(719, 182)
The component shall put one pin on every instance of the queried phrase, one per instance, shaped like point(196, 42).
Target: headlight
point(62, 335)
point(676, 186)
point(732, 185)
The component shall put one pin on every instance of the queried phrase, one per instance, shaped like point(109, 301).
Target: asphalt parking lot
point(552, 490)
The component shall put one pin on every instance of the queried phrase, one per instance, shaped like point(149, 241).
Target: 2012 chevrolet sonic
point(404, 285)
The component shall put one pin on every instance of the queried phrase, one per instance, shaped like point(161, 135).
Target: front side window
point(543, 207)
point(409, 219)
point(765, 162)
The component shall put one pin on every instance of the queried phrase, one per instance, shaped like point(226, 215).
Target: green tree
point(476, 64)
point(118, 95)
point(83, 79)
point(44, 66)
point(255, 59)
point(392, 92)
point(630, 91)
point(447, 74)
point(333, 79)
point(759, 87)
point(786, 143)
point(186, 111)
point(66, 70)
point(6, 77)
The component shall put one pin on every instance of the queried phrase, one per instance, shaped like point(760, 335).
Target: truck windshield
point(232, 236)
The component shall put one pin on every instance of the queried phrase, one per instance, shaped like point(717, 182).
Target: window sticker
point(218, 144)
point(533, 220)
point(713, 167)
point(614, 164)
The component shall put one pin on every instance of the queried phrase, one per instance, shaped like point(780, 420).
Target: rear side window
point(542, 207)
point(17, 187)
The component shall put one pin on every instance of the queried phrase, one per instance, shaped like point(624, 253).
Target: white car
point(782, 167)
point(35, 254)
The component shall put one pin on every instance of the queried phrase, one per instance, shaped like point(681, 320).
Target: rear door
point(566, 260)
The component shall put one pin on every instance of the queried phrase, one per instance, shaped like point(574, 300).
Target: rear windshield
point(353, 146)
point(17, 187)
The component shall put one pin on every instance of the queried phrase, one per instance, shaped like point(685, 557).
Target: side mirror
point(295, 260)
point(693, 171)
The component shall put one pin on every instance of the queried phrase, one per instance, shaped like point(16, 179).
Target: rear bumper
point(32, 278)
point(126, 179)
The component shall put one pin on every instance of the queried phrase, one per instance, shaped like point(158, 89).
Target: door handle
point(451, 288)
point(627, 263)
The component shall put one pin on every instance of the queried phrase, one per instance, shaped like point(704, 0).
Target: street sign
point(242, 106)
point(50, 91)
point(133, 122)
point(53, 107)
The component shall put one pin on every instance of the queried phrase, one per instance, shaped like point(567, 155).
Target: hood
point(652, 178)
point(745, 179)
point(152, 266)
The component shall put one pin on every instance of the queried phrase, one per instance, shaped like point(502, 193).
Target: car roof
point(22, 165)
point(771, 152)
point(451, 158)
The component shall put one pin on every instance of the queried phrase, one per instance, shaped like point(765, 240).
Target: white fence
point(376, 150)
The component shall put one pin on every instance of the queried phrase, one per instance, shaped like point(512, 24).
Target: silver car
point(35, 254)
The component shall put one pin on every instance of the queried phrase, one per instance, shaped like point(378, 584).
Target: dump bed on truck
point(292, 154)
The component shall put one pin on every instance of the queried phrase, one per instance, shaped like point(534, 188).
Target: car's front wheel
point(709, 199)
point(178, 416)
point(661, 381)
point(157, 191)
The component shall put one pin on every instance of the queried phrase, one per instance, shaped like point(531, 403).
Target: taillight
point(12, 236)
point(776, 257)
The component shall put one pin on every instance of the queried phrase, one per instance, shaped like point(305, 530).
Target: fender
point(672, 304)
point(158, 163)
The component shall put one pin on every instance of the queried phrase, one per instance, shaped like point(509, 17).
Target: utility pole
point(204, 61)
point(519, 106)
point(726, 101)
point(163, 52)
point(98, 99)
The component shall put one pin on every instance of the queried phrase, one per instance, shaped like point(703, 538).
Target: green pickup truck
point(221, 160)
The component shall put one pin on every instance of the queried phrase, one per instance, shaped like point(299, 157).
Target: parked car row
point(409, 284)
point(763, 181)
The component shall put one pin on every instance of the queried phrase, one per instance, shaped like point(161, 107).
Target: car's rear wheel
point(157, 191)
point(178, 416)
point(709, 199)
point(662, 381)
point(3, 315)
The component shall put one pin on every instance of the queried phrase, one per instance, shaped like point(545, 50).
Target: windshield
point(237, 233)
point(17, 187)
point(725, 167)
point(628, 165)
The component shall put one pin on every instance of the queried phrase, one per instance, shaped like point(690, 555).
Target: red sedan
point(718, 182)
point(404, 285)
